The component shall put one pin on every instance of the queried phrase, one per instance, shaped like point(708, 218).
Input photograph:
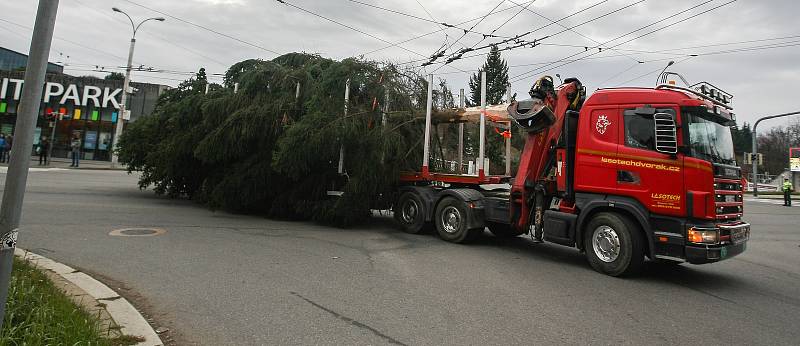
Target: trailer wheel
point(614, 245)
point(410, 213)
point(502, 230)
point(451, 221)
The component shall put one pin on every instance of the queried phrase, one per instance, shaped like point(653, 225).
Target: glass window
point(710, 140)
point(640, 129)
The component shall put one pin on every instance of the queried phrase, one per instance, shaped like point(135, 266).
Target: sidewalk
point(57, 162)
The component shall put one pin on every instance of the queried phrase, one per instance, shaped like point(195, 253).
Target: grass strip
point(38, 313)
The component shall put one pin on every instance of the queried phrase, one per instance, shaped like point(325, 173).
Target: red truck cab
point(664, 156)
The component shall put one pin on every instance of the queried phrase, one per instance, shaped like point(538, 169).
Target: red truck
point(623, 175)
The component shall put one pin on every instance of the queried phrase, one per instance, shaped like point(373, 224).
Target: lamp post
point(55, 118)
point(126, 84)
point(755, 148)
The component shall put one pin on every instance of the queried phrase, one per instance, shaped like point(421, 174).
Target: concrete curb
point(121, 311)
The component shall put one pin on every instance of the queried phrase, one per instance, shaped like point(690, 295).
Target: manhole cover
point(137, 232)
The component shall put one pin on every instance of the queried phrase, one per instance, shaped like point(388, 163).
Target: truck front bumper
point(704, 254)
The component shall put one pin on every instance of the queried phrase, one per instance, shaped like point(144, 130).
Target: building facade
point(88, 108)
point(15, 61)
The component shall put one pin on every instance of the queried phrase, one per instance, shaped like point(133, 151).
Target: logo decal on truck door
point(602, 124)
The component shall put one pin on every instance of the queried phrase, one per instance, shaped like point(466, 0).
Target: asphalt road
point(215, 278)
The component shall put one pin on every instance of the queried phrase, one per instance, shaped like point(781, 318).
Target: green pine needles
point(270, 150)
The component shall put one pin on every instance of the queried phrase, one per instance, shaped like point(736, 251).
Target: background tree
point(115, 76)
point(774, 144)
point(496, 85)
point(496, 79)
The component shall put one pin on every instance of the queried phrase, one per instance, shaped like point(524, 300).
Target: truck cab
point(665, 158)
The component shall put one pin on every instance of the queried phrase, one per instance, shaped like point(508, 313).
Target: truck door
point(653, 178)
point(595, 157)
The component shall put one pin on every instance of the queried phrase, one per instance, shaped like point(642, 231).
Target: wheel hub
point(409, 211)
point(451, 219)
point(605, 243)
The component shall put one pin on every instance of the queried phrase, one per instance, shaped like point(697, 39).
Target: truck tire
point(451, 221)
point(410, 213)
point(614, 245)
point(501, 230)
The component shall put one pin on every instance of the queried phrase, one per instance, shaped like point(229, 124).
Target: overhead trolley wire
point(572, 30)
point(441, 53)
point(65, 40)
point(545, 68)
point(444, 24)
point(534, 43)
point(532, 31)
point(491, 34)
point(349, 27)
point(158, 37)
point(205, 28)
point(434, 32)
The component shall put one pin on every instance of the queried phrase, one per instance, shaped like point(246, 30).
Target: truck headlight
point(702, 235)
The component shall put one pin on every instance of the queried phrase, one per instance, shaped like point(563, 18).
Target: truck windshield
point(710, 140)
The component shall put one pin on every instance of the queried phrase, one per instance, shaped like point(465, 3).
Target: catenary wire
point(205, 28)
point(433, 32)
point(349, 27)
point(572, 30)
point(545, 68)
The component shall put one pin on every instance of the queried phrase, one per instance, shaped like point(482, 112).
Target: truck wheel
point(502, 230)
point(410, 213)
point(614, 245)
point(451, 221)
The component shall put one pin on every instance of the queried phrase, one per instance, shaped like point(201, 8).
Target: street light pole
point(126, 85)
point(755, 148)
point(17, 175)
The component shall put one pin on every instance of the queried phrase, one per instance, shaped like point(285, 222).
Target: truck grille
point(729, 202)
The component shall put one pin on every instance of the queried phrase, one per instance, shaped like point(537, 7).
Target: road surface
point(215, 278)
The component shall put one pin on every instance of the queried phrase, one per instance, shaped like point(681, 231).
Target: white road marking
point(4, 169)
point(770, 201)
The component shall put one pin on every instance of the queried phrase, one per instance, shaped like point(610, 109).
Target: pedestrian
point(44, 148)
point(76, 151)
point(9, 144)
point(2, 148)
point(787, 192)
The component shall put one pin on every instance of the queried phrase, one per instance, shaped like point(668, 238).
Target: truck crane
point(623, 175)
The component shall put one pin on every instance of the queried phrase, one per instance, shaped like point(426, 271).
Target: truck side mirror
point(665, 133)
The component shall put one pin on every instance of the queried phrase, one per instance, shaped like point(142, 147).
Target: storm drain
point(137, 232)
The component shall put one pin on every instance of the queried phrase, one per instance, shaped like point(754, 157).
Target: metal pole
point(121, 113)
point(385, 115)
point(482, 146)
point(427, 144)
point(508, 140)
point(384, 121)
point(461, 134)
point(17, 175)
point(52, 137)
point(341, 146)
point(755, 149)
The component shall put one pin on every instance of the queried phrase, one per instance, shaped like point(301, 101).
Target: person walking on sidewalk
point(787, 192)
point(44, 148)
point(9, 144)
point(2, 148)
point(76, 151)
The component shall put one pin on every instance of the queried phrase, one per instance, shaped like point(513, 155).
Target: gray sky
point(762, 80)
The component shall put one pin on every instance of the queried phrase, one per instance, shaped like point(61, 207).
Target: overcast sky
point(89, 34)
